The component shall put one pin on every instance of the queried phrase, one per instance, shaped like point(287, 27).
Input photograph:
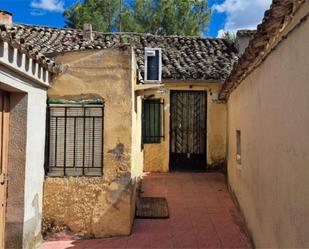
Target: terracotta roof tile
point(246, 33)
point(274, 20)
point(19, 43)
point(183, 58)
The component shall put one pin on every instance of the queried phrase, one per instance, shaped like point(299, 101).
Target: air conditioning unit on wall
point(153, 65)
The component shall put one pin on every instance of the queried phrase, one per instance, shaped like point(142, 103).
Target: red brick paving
point(202, 215)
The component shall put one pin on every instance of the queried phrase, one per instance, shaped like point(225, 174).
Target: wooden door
point(4, 139)
point(188, 130)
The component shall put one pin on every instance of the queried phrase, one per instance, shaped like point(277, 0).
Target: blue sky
point(227, 14)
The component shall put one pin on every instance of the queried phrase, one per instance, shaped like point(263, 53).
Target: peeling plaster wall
point(271, 109)
point(100, 206)
point(102, 74)
point(92, 206)
point(156, 156)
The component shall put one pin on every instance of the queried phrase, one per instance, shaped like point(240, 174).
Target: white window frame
point(159, 81)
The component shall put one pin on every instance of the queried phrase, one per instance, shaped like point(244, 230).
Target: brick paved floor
point(202, 215)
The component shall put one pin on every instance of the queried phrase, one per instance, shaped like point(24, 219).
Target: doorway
point(188, 130)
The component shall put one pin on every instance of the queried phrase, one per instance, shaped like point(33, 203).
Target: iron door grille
point(188, 130)
point(75, 140)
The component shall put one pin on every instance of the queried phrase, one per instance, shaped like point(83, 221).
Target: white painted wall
point(34, 176)
point(12, 80)
point(19, 62)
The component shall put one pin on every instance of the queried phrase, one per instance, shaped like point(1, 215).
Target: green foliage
point(227, 35)
point(102, 14)
point(167, 17)
point(163, 17)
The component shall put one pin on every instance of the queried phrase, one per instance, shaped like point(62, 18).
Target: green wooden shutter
point(152, 121)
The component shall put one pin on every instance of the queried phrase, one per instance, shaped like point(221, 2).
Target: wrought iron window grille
point(152, 121)
point(74, 145)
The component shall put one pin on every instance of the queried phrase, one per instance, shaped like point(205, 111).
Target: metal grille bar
point(188, 122)
point(153, 120)
point(75, 141)
point(188, 126)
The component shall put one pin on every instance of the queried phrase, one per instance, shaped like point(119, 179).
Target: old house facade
point(111, 117)
point(120, 104)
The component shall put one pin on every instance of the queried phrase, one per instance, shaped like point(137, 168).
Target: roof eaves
point(273, 24)
point(28, 50)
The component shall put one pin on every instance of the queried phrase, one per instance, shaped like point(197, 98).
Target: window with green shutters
point(152, 121)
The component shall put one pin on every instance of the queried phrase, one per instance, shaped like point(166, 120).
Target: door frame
point(4, 155)
point(171, 168)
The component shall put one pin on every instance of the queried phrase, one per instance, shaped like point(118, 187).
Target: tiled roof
point(246, 33)
point(191, 58)
point(275, 19)
point(25, 48)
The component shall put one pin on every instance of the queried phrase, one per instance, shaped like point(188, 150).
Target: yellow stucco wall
point(91, 206)
point(101, 206)
point(102, 74)
point(156, 156)
point(271, 109)
point(137, 157)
